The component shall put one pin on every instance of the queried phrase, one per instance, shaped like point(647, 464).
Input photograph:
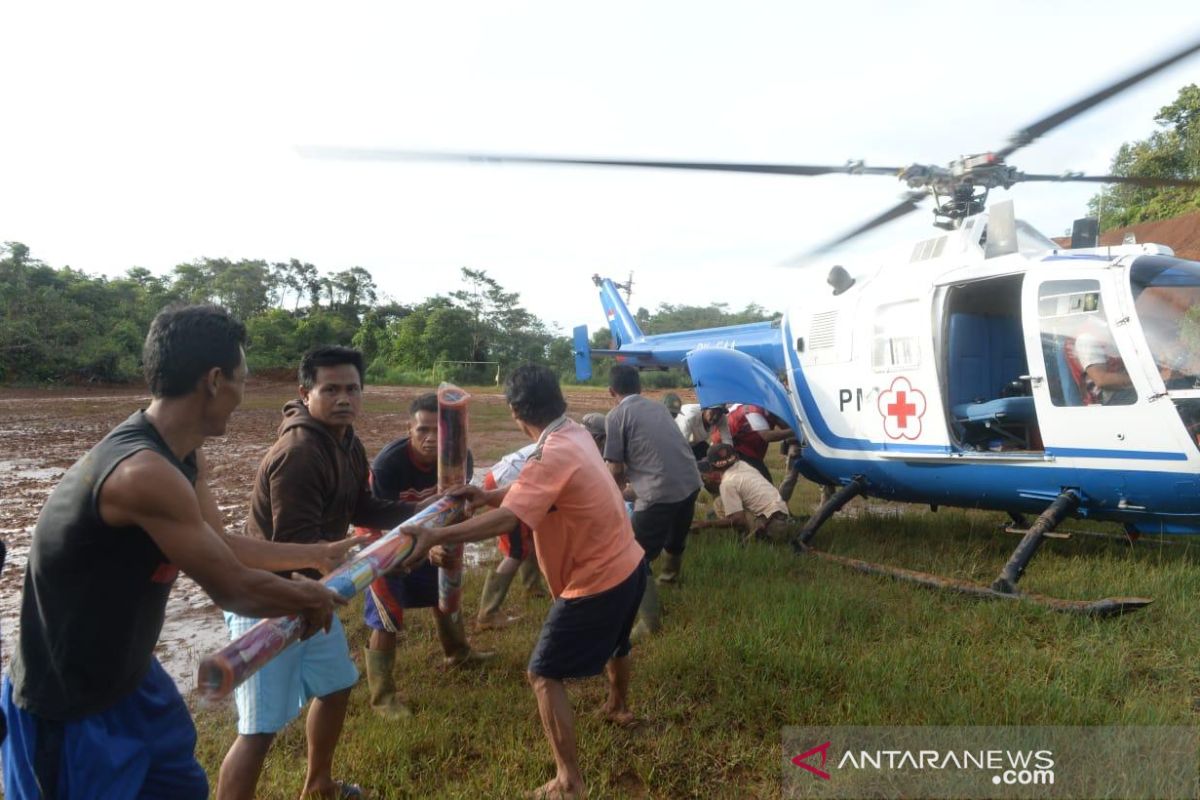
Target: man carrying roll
point(91, 713)
point(586, 550)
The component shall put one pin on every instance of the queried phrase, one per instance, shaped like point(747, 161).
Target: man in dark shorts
point(586, 550)
point(91, 713)
point(406, 470)
point(644, 447)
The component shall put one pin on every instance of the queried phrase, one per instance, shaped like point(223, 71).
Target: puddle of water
point(29, 469)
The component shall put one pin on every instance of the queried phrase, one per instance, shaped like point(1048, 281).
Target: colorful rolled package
point(452, 471)
point(223, 670)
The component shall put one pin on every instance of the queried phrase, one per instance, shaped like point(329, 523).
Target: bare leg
point(238, 778)
point(559, 725)
point(616, 709)
point(323, 727)
point(382, 640)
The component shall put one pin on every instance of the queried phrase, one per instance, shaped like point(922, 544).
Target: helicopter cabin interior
point(985, 370)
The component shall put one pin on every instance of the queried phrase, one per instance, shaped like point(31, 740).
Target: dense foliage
point(62, 325)
point(1173, 151)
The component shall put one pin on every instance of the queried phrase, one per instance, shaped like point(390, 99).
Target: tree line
point(1172, 151)
point(61, 325)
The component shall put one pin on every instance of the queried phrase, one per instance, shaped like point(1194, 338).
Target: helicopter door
point(1088, 404)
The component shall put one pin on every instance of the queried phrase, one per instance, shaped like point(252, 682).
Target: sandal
point(344, 790)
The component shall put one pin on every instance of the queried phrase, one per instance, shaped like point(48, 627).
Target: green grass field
point(756, 639)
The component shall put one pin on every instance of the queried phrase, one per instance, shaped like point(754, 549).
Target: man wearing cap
point(644, 448)
point(594, 423)
point(701, 426)
point(673, 404)
point(750, 503)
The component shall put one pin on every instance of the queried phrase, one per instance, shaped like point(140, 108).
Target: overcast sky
point(153, 134)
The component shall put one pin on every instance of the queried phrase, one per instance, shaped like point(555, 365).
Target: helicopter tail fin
point(620, 321)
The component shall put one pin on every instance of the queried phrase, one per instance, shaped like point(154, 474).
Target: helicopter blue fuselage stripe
point(825, 435)
point(1136, 455)
point(1173, 496)
point(1079, 257)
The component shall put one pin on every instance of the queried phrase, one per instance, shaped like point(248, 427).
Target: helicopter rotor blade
point(383, 154)
point(907, 205)
point(1132, 180)
point(1048, 123)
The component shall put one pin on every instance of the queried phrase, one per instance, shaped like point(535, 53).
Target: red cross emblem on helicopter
point(902, 407)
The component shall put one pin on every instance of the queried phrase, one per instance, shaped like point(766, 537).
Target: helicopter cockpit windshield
point(1166, 296)
point(1031, 240)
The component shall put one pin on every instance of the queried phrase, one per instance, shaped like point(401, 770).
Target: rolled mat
point(452, 471)
point(222, 671)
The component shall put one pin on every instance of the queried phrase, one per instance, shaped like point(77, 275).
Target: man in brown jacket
point(311, 486)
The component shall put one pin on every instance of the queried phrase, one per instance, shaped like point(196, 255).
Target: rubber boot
point(671, 567)
point(649, 616)
point(495, 589)
point(382, 685)
point(453, 636)
point(531, 578)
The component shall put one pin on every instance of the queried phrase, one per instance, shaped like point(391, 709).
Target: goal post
point(439, 367)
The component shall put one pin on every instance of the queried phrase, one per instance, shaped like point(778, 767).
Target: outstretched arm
point(261, 554)
point(476, 529)
point(146, 491)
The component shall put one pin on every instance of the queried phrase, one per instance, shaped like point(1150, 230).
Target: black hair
point(533, 393)
point(424, 402)
point(625, 380)
point(721, 452)
point(185, 342)
point(330, 355)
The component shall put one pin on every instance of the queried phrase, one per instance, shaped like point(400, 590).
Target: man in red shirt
point(586, 550)
point(753, 428)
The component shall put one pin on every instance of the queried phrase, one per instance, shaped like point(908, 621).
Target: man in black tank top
point(90, 710)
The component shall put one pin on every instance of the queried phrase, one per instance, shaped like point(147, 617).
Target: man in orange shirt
point(586, 550)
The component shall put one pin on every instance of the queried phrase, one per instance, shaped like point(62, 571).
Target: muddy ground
point(42, 432)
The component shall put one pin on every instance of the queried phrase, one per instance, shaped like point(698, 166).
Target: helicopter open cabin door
point(990, 412)
point(1090, 404)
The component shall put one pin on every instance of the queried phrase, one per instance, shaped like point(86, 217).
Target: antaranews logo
point(1011, 768)
point(801, 760)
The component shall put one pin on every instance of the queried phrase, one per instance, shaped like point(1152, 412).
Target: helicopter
point(967, 376)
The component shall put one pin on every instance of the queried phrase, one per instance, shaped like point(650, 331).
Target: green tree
point(1173, 151)
point(671, 318)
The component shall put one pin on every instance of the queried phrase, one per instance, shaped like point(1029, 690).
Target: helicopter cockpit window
point(896, 344)
point(1166, 294)
point(1166, 298)
point(1083, 366)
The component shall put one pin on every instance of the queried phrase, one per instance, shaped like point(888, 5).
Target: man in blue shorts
point(91, 713)
point(310, 487)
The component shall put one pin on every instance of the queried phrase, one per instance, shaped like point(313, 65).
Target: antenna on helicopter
point(627, 287)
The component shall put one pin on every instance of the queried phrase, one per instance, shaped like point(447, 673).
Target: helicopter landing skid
point(1004, 587)
point(1106, 607)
